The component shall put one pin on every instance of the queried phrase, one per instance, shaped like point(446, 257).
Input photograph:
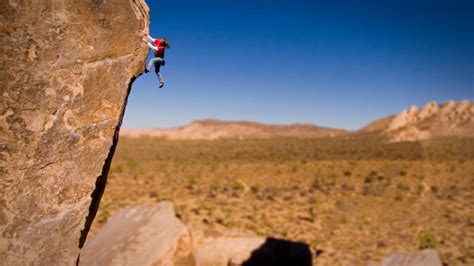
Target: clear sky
point(331, 63)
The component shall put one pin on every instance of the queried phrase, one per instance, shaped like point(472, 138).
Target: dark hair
point(164, 42)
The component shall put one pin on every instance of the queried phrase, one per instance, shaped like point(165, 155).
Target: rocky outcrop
point(448, 120)
point(141, 235)
point(66, 68)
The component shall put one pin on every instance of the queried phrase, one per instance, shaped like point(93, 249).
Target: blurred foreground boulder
point(427, 257)
point(224, 247)
point(141, 235)
point(152, 235)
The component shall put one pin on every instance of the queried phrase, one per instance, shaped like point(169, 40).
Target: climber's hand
point(145, 40)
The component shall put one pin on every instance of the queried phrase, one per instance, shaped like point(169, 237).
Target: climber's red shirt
point(161, 49)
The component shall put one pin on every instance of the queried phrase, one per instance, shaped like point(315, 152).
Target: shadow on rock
point(278, 252)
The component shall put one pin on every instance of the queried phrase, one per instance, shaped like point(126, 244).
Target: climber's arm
point(151, 39)
point(150, 45)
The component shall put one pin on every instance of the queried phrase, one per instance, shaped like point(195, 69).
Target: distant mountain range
point(214, 129)
point(430, 121)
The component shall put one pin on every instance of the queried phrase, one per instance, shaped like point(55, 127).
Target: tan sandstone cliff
point(66, 68)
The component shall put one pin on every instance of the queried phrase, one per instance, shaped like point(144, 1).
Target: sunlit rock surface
point(141, 235)
point(153, 235)
point(66, 68)
point(428, 257)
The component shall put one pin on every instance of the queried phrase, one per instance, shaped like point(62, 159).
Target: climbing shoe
point(162, 84)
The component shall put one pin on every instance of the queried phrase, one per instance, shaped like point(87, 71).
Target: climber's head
point(164, 42)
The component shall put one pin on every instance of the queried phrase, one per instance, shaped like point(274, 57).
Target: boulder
point(152, 235)
point(66, 68)
point(224, 248)
point(427, 257)
point(140, 235)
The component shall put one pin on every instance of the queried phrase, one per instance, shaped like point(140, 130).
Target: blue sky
point(331, 63)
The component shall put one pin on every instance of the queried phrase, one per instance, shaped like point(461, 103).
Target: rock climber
point(159, 46)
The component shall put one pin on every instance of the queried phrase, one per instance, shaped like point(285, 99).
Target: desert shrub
point(314, 244)
point(255, 189)
point(220, 221)
point(312, 214)
point(452, 168)
point(294, 168)
point(288, 198)
point(373, 176)
point(369, 179)
point(347, 173)
point(403, 173)
point(343, 220)
point(427, 240)
point(402, 186)
point(117, 169)
point(347, 187)
point(192, 180)
point(103, 216)
point(398, 197)
point(316, 184)
point(333, 176)
point(132, 164)
point(238, 185)
point(214, 187)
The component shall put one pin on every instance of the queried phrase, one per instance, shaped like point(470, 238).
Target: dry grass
point(355, 199)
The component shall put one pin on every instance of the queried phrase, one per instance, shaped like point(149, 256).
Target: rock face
point(141, 235)
point(433, 120)
point(66, 69)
